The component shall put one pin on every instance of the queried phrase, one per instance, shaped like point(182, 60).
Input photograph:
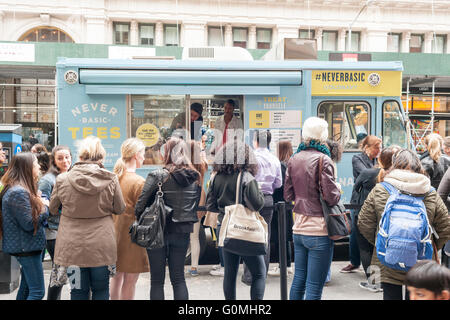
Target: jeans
point(257, 269)
point(83, 281)
point(353, 245)
point(174, 251)
point(32, 285)
point(313, 256)
point(267, 213)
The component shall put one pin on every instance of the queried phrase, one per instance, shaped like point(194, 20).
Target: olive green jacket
point(370, 215)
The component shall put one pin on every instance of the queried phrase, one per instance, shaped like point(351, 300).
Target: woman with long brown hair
point(200, 164)
point(23, 214)
point(60, 162)
point(181, 192)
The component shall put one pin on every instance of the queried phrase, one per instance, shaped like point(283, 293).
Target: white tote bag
point(243, 232)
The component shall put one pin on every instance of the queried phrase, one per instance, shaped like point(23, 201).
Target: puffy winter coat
point(370, 214)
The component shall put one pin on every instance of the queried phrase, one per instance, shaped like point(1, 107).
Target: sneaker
point(193, 272)
point(219, 272)
point(216, 267)
point(275, 272)
point(349, 268)
point(371, 287)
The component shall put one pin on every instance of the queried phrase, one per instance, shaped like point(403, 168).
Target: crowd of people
point(81, 213)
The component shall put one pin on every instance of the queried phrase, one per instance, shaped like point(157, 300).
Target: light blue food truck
point(118, 99)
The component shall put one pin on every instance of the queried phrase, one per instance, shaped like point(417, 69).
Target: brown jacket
point(131, 258)
point(370, 215)
point(89, 195)
point(302, 182)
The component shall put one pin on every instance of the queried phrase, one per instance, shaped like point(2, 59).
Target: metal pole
point(281, 208)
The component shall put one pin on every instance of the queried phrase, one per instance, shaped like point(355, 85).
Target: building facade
point(403, 27)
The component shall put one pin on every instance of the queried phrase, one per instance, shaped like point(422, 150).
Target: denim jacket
point(18, 228)
point(46, 184)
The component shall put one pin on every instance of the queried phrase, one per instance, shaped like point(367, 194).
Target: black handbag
point(148, 231)
point(338, 225)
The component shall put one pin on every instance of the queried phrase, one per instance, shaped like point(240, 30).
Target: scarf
point(315, 145)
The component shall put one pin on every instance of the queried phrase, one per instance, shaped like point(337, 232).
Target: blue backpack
point(404, 235)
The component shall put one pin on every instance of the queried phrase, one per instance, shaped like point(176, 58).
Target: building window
point(121, 32)
point(263, 38)
point(306, 34)
point(215, 37)
point(393, 42)
point(416, 43)
point(46, 34)
point(146, 34)
point(356, 40)
point(438, 44)
point(329, 40)
point(171, 35)
point(240, 37)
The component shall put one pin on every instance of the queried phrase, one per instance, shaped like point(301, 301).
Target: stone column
point(159, 34)
point(428, 41)
point(376, 41)
point(228, 35)
point(318, 35)
point(448, 43)
point(194, 34)
point(96, 29)
point(406, 36)
point(342, 41)
point(252, 38)
point(2, 34)
point(134, 33)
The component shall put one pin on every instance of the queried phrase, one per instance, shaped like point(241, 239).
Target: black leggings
point(174, 252)
point(53, 293)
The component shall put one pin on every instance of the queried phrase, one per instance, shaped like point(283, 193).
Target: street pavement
point(343, 286)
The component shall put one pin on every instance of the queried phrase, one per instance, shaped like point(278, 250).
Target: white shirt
point(232, 131)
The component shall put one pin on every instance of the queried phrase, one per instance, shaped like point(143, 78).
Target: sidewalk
point(343, 286)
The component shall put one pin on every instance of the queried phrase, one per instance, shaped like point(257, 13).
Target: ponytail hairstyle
point(128, 150)
point(405, 159)
point(20, 172)
point(434, 143)
point(385, 160)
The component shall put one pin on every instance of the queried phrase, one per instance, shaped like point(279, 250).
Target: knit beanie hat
point(315, 129)
point(197, 107)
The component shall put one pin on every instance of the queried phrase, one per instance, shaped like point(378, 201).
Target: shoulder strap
point(389, 187)
point(238, 186)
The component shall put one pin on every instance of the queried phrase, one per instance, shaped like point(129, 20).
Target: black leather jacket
point(181, 193)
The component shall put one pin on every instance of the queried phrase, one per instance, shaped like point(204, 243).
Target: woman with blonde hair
point(131, 258)
point(89, 196)
point(433, 161)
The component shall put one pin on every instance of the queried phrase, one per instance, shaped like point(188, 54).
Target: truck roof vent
point(201, 52)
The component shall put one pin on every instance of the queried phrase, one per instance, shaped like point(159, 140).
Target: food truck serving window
point(393, 125)
point(154, 119)
point(347, 120)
